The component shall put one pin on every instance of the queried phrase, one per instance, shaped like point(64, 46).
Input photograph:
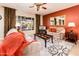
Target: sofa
point(57, 32)
point(33, 49)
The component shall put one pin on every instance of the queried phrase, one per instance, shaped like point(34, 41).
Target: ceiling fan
point(38, 6)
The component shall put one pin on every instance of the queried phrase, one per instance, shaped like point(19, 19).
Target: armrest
point(33, 49)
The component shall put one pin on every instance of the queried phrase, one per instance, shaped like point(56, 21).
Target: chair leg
point(52, 39)
point(45, 43)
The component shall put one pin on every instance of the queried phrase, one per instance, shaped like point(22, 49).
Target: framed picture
point(52, 21)
point(26, 23)
point(58, 20)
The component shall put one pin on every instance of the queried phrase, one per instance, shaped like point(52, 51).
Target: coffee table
point(45, 37)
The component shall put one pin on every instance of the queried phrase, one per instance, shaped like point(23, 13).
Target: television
point(42, 27)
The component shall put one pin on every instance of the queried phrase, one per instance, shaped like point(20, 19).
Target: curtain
point(9, 19)
point(37, 22)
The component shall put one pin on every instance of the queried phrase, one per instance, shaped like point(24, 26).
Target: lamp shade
point(71, 24)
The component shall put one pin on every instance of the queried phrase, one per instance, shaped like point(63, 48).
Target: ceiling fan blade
point(40, 3)
point(44, 7)
point(43, 3)
point(31, 6)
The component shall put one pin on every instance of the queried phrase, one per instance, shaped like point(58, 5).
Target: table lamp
point(71, 25)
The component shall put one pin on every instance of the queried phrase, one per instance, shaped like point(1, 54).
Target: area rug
point(59, 47)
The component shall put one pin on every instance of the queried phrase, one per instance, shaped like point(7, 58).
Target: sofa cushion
point(53, 29)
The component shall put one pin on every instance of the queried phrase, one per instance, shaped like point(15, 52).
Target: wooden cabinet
point(71, 36)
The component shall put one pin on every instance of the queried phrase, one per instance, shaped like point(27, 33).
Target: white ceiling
point(51, 7)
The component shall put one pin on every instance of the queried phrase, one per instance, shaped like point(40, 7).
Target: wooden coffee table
point(45, 37)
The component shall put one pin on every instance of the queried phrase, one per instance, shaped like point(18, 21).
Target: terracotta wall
point(72, 14)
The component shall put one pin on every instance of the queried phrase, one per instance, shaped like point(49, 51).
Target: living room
point(52, 26)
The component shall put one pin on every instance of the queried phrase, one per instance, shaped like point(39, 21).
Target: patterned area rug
point(59, 47)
